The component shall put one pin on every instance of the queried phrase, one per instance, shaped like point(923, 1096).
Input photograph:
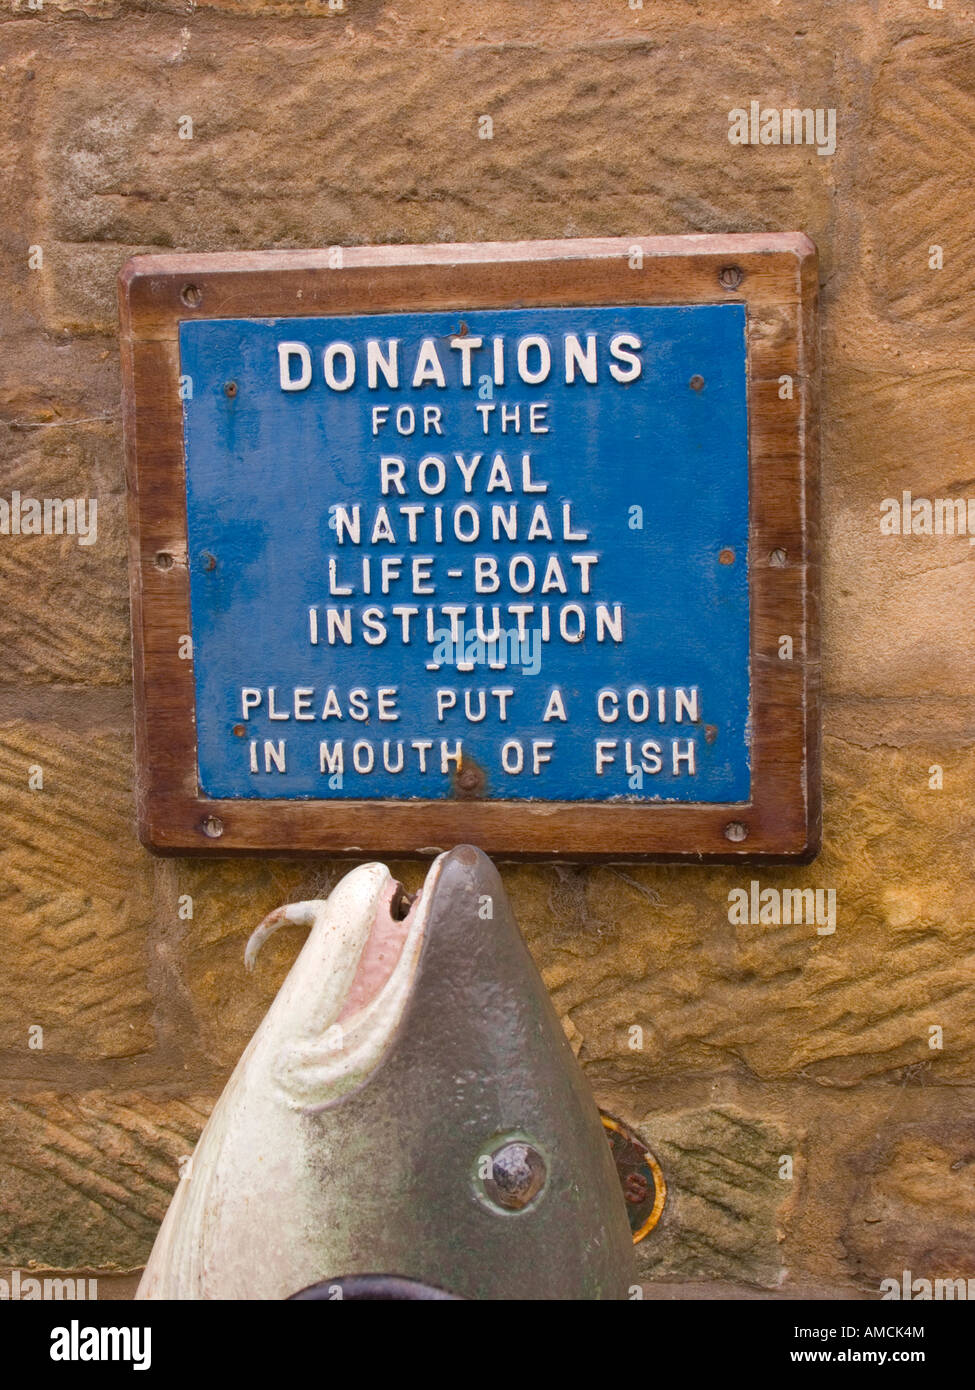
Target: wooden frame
point(773, 274)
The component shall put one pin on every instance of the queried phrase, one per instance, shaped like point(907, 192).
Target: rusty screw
point(696, 382)
point(208, 560)
point(230, 389)
point(517, 1176)
point(730, 277)
point(726, 556)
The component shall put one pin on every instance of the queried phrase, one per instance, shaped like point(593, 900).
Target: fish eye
point(512, 1174)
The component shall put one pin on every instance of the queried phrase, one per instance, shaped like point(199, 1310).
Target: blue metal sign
point(500, 553)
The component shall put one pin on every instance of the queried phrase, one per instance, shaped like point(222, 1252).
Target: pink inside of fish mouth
point(391, 925)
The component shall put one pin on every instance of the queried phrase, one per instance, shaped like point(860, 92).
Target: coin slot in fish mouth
point(401, 902)
point(391, 926)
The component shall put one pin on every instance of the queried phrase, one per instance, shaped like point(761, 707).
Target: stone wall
point(316, 126)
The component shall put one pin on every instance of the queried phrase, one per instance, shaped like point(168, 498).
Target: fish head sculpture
point(408, 1110)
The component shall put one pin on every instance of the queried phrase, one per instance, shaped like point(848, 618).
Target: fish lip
point(420, 910)
point(368, 1033)
point(391, 894)
point(338, 1015)
point(354, 1038)
point(423, 908)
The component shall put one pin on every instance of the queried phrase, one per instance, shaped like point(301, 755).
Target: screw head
point(212, 827)
point(208, 560)
point(736, 831)
point(518, 1174)
point(730, 277)
point(696, 382)
point(469, 781)
point(191, 295)
point(164, 560)
point(230, 389)
point(726, 556)
point(777, 558)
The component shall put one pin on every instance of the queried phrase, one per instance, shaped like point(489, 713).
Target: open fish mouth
point(348, 989)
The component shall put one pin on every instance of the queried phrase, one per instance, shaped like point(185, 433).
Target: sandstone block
point(725, 1199)
point(85, 1179)
point(652, 948)
point(76, 896)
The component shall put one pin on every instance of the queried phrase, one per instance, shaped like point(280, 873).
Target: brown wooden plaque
point(336, 459)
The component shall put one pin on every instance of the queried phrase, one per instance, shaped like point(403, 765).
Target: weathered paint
point(628, 502)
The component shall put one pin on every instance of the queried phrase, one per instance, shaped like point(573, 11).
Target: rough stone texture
point(75, 896)
point(920, 160)
point(914, 1206)
point(313, 127)
point(726, 1198)
point(878, 1185)
point(65, 614)
point(578, 115)
point(654, 947)
point(898, 608)
point(92, 1172)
